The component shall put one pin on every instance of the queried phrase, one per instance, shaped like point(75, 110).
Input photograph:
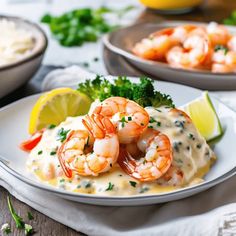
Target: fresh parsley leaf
point(28, 229)
point(30, 216)
point(6, 228)
point(40, 152)
point(62, 134)
point(18, 220)
point(231, 20)
point(133, 183)
point(221, 48)
point(52, 126)
point(110, 187)
point(88, 185)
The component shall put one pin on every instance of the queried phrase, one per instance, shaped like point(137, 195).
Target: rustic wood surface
point(215, 10)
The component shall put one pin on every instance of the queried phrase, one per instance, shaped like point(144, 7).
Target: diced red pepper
point(29, 144)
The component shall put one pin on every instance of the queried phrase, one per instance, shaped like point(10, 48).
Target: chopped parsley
point(143, 190)
point(28, 229)
point(110, 187)
point(179, 123)
point(78, 186)
point(88, 185)
point(176, 146)
point(40, 152)
point(52, 126)
point(30, 216)
point(52, 153)
point(199, 146)
point(133, 183)
point(123, 121)
point(62, 180)
point(191, 136)
point(62, 134)
point(152, 120)
point(6, 228)
point(221, 48)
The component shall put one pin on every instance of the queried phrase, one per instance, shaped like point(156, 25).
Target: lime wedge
point(204, 117)
point(54, 106)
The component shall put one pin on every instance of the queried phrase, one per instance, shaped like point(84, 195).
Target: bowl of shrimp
point(196, 54)
point(120, 153)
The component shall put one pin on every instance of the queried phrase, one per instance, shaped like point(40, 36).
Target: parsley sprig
point(20, 224)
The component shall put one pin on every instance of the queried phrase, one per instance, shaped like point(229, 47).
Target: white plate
point(123, 40)
point(13, 125)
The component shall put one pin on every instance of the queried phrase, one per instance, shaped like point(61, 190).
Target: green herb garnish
point(30, 216)
point(231, 20)
point(18, 220)
point(78, 26)
point(52, 126)
point(40, 152)
point(28, 229)
point(221, 48)
point(6, 228)
point(62, 180)
point(133, 183)
point(87, 185)
point(123, 121)
point(62, 134)
point(52, 153)
point(142, 92)
point(110, 187)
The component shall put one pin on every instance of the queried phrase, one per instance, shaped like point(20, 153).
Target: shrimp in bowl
point(190, 47)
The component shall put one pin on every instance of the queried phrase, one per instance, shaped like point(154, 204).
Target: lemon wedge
point(53, 107)
point(204, 117)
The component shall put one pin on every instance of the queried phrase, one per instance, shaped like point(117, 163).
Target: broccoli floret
point(143, 92)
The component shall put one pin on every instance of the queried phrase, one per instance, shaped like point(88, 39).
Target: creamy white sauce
point(15, 43)
point(193, 161)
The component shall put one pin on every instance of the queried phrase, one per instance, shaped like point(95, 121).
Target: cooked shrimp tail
point(91, 151)
point(157, 159)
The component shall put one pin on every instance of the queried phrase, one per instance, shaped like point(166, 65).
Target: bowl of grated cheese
point(22, 47)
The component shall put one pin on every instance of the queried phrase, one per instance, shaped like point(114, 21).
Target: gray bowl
point(122, 41)
point(13, 75)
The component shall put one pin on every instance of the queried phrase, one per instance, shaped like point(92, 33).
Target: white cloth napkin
point(204, 214)
point(212, 212)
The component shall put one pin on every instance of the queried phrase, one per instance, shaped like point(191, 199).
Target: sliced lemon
point(204, 116)
point(53, 107)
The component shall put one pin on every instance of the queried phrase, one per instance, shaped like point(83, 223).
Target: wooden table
point(212, 10)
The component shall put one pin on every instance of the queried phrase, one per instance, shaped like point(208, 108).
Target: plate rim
point(106, 39)
point(178, 192)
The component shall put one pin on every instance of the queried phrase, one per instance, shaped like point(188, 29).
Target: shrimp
point(180, 33)
point(224, 62)
point(232, 44)
point(194, 53)
point(218, 34)
point(129, 117)
point(155, 46)
point(91, 151)
point(157, 159)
